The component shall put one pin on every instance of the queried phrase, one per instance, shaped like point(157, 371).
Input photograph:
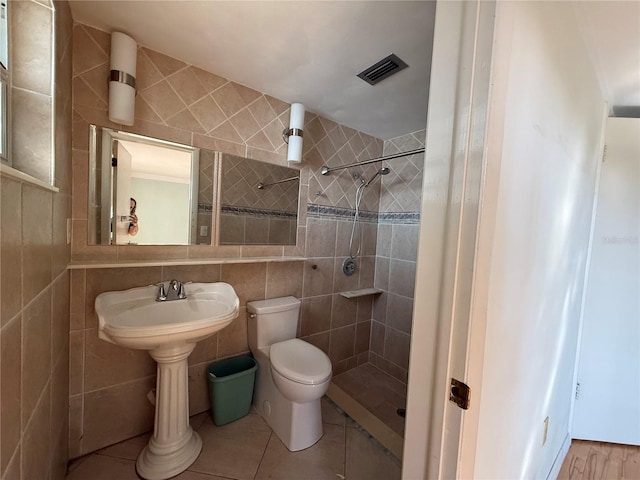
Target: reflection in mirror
point(141, 190)
point(145, 191)
point(258, 203)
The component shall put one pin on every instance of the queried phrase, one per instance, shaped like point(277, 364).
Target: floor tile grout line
point(263, 454)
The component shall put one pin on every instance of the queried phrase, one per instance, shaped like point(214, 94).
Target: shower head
point(382, 171)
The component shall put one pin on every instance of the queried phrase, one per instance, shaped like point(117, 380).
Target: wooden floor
point(601, 461)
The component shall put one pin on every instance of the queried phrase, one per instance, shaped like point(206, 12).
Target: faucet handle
point(162, 295)
point(181, 292)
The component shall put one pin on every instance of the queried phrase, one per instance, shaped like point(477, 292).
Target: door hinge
point(114, 162)
point(577, 391)
point(604, 154)
point(459, 393)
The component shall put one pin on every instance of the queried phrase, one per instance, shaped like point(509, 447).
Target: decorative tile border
point(256, 212)
point(410, 218)
point(338, 213)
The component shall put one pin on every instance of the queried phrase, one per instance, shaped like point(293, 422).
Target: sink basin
point(132, 318)
point(169, 330)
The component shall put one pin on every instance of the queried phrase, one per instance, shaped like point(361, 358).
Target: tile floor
point(247, 449)
point(376, 391)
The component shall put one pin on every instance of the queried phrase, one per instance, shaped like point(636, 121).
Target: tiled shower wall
point(179, 102)
point(34, 313)
point(397, 244)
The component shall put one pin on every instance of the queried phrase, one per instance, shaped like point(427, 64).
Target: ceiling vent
point(383, 69)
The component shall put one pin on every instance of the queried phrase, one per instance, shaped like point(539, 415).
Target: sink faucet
point(176, 291)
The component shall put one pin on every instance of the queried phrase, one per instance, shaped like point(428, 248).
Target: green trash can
point(231, 388)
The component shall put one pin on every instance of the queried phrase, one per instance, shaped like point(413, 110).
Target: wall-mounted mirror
point(258, 203)
point(148, 191)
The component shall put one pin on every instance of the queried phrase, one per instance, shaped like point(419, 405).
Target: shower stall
point(380, 238)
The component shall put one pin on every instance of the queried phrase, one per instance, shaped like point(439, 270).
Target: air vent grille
point(383, 69)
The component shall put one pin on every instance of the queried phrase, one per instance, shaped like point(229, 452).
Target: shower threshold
point(359, 392)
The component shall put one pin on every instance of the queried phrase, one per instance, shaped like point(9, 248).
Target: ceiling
point(311, 51)
point(297, 51)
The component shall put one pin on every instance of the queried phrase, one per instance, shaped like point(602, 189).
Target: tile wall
point(179, 102)
point(34, 313)
point(397, 244)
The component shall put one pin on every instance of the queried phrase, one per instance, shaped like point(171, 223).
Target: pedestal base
point(174, 445)
point(154, 466)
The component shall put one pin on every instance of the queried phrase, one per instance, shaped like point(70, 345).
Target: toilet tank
point(272, 320)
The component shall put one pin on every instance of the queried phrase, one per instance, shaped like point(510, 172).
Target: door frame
point(451, 202)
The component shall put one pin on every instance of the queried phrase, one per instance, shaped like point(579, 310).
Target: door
point(123, 194)
point(607, 406)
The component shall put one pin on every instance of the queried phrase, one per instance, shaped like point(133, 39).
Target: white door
point(123, 195)
point(607, 406)
point(456, 124)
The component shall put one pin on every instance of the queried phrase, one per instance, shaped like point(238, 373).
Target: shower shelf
point(361, 293)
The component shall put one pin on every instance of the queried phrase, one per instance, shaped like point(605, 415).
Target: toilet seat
point(300, 362)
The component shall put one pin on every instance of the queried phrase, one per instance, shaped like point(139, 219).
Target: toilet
point(292, 376)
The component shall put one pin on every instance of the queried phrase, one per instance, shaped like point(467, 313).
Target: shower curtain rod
point(261, 185)
point(325, 170)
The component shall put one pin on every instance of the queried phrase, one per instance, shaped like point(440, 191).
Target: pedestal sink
point(169, 330)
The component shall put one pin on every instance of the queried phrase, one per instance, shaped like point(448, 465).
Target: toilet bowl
point(301, 371)
point(292, 374)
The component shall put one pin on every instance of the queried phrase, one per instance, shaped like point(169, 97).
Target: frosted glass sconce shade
point(122, 79)
point(293, 135)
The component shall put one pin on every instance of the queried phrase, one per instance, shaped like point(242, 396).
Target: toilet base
point(297, 425)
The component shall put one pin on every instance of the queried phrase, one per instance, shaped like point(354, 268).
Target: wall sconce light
point(122, 80)
point(293, 135)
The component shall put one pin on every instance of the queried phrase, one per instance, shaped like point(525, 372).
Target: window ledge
point(7, 171)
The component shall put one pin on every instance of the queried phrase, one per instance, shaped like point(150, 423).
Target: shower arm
point(261, 185)
point(325, 170)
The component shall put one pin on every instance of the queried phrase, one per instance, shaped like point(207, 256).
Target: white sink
point(132, 318)
point(169, 330)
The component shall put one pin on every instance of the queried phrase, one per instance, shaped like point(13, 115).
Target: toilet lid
point(300, 361)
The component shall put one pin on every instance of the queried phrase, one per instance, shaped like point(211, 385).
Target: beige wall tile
point(60, 318)
point(404, 242)
point(10, 249)
point(363, 336)
point(192, 273)
point(76, 404)
point(400, 313)
point(284, 279)
point(10, 390)
point(107, 364)
point(315, 316)
point(13, 471)
point(320, 340)
point(247, 279)
point(322, 237)
point(116, 413)
point(198, 388)
point(396, 347)
point(377, 337)
point(318, 280)
point(343, 311)
point(86, 52)
point(77, 299)
point(402, 275)
point(37, 237)
point(36, 453)
point(76, 362)
point(36, 352)
point(60, 251)
point(342, 343)
point(233, 340)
